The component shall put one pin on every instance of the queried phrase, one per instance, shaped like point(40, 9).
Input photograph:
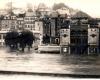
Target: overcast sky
point(92, 7)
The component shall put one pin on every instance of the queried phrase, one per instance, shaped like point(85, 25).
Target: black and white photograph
point(49, 39)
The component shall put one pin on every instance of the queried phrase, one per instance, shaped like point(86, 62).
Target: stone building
point(9, 22)
point(79, 38)
point(65, 37)
point(93, 39)
point(2, 37)
point(29, 20)
point(39, 31)
point(20, 21)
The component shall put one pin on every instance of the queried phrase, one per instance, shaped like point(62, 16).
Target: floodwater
point(49, 63)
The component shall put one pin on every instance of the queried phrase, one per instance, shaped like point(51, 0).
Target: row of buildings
point(19, 22)
point(35, 21)
point(78, 35)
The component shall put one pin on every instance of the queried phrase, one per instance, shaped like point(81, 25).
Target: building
point(2, 33)
point(64, 12)
point(93, 39)
point(39, 31)
point(2, 37)
point(38, 27)
point(52, 27)
point(9, 22)
point(43, 10)
point(79, 38)
point(32, 23)
point(74, 36)
point(29, 21)
point(65, 37)
point(20, 21)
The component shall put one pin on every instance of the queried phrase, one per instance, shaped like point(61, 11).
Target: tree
point(11, 40)
point(26, 38)
point(46, 39)
point(58, 6)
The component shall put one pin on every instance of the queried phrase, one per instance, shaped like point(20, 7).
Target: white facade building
point(65, 40)
point(2, 36)
point(39, 30)
point(64, 36)
point(93, 40)
point(93, 36)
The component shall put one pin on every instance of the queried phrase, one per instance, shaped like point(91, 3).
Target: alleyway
point(49, 63)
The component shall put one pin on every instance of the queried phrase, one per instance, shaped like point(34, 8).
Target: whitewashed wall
point(93, 36)
point(65, 40)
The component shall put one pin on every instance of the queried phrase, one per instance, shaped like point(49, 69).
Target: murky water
point(49, 63)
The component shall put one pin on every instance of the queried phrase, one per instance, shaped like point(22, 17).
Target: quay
point(49, 48)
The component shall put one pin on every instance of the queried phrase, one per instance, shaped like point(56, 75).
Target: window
point(0, 36)
point(28, 26)
point(32, 18)
point(38, 24)
point(3, 36)
point(26, 19)
point(25, 26)
point(72, 40)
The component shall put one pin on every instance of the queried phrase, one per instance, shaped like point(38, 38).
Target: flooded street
point(49, 63)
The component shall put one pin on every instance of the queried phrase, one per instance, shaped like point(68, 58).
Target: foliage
point(25, 38)
point(11, 39)
point(58, 6)
point(46, 39)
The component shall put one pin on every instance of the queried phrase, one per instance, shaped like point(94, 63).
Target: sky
point(91, 7)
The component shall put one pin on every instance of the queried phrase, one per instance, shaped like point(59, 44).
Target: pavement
point(48, 64)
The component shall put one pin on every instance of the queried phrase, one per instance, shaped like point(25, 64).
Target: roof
point(54, 14)
point(21, 15)
point(29, 13)
point(63, 10)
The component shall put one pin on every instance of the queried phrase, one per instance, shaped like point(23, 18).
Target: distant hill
point(81, 14)
point(60, 5)
point(73, 13)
